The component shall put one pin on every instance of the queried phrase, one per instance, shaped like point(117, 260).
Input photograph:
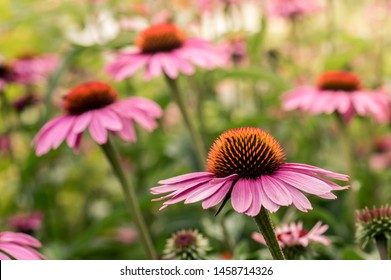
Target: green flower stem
point(382, 246)
point(348, 150)
point(195, 137)
point(266, 228)
point(130, 197)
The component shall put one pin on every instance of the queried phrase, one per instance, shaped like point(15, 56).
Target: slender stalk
point(348, 150)
point(131, 198)
point(382, 246)
point(195, 136)
point(266, 227)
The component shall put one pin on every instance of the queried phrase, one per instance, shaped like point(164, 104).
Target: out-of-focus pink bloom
point(5, 144)
point(341, 92)
point(381, 159)
point(19, 246)
point(291, 8)
point(29, 69)
point(26, 101)
point(248, 166)
point(289, 235)
point(26, 222)
point(94, 105)
point(164, 48)
point(236, 50)
point(126, 235)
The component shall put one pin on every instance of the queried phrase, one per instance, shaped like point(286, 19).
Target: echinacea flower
point(248, 166)
point(294, 234)
point(294, 239)
point(31, 68)
point(5, 144)
point(19, 246)
point(373, 223)
point(186, 245)
point(341, 92)
point(165, 48)
point(291, 8)
point(95, 105)
point(26, 222)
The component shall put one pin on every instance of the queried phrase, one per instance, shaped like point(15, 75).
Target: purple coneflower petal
point(97, 131)
point(276, 191)
point(241, 195)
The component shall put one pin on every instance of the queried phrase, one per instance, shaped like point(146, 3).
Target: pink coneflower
point(341, 92)
point(95, 105)
point(30, 68)
point(293, 234)
point(19, 246)
point(26, 222)
point(381, 159)
point(165, 48)
point(5, 144)
point(248, 166)
point(291, 8)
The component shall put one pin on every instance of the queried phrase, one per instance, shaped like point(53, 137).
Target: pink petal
point(20, 238)
point(169, 65)
point(125, 66)
point(299, 200)
point(256, 203)
point(97, 131)
point(186, 177)
point(316, 170)
point(218, 196)
point(109, 119)
point(266, 202)
point(307, 183)
point(276, 191)
point(241, 196)
point(204, 192)
point(127, 132)
point(4, 257)
point(82, 121)
point(19, 252)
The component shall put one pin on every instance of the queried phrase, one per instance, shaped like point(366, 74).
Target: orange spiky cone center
point(338, 81)
point(249, 152)
point(89, 96)
point(160, 38)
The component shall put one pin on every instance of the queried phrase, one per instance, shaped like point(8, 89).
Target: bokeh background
point(79, 198)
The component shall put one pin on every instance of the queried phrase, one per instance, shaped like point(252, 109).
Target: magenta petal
point(299, 200)
point(4, 257)
point(154, 67)
point(18, 237)
point(256, 203)
point(186, 177)
point(266, 201)
point(97, 131)
point(61, 130)
point(218, 196)
point(127, 133)
point(109, 119)
point(19, 252)
point(82, 121)
point(241, 195)
point(276, 191)
point(204, 192)
point(307, 183)
point(316, 170)
point(170, 65)
point(180, 186)
point(125, 66)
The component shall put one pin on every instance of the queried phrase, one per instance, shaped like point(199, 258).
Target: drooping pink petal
point(186, 177)
point(256, 203)
point(218, 196)
point(276, 191)
point(241, 195)
point(266, 201)
point(303, 182)
point(97, 131)
point(19, 252)
point(4, 257)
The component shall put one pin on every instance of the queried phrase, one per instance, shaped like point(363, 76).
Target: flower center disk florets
point(160, 38)
point(338, 81)
point(89, 96)
point(249, 152)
